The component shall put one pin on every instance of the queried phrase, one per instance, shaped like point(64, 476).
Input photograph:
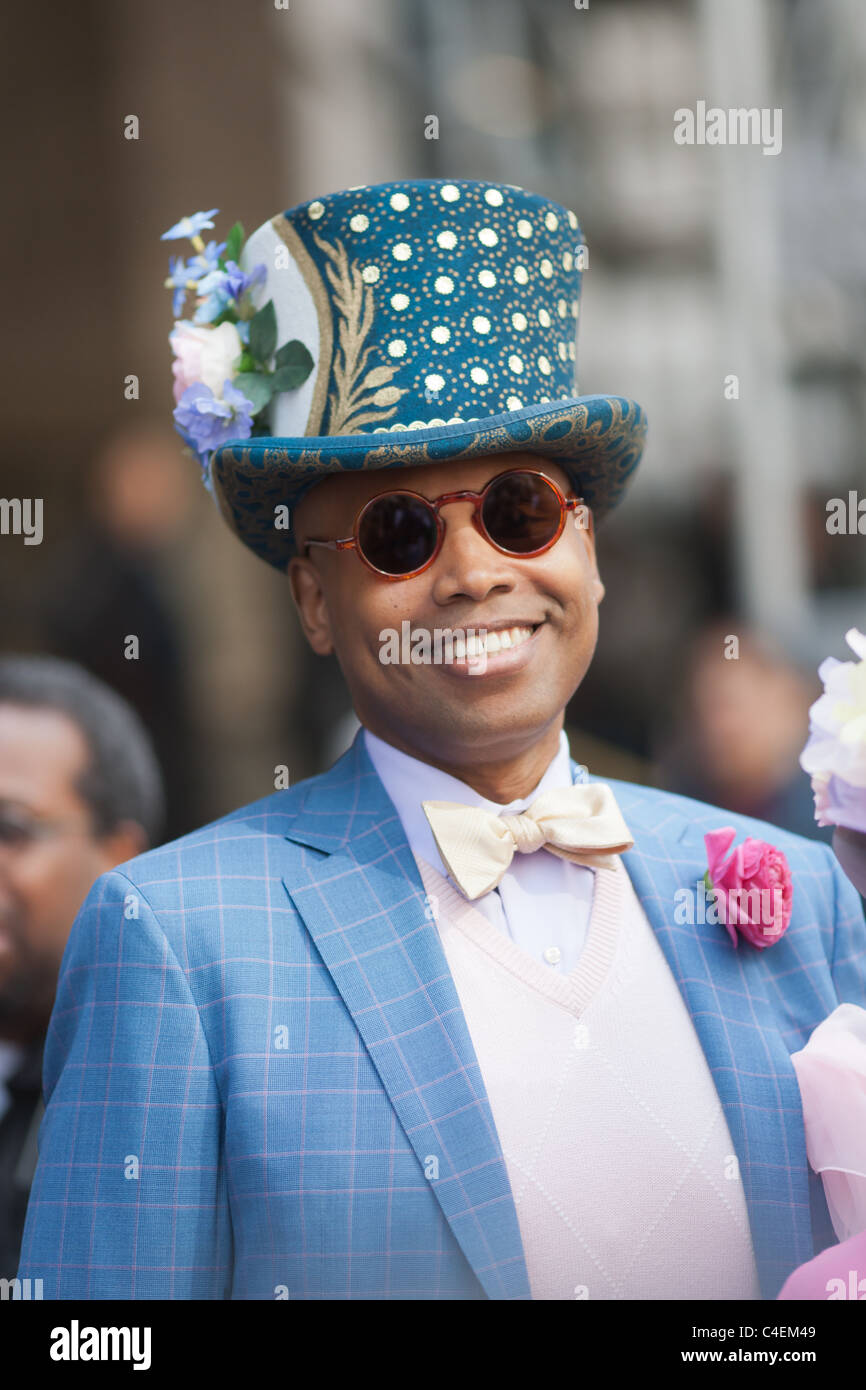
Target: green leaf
point(234, 242)
point(294, 364)
point(228, 315)
point(263, 332)
point(256, 388)
point(246, 363)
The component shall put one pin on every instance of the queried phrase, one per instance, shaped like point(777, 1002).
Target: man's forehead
point(343, 493)
point(42, 751)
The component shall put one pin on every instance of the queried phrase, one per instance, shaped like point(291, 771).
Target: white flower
point(837, 721)
point(204, 354)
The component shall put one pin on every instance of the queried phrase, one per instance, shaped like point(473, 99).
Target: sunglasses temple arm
point(347, 544)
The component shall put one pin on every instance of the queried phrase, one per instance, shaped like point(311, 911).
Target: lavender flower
point(185, 275)
point(178, 279)
point(209, 421)
point(223, 287)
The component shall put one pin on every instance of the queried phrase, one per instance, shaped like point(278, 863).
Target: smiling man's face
point(509, 705)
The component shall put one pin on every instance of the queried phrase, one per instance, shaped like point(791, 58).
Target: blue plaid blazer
point(260, 1083)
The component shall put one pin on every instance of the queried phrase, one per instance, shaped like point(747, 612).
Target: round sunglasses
point(399, 534)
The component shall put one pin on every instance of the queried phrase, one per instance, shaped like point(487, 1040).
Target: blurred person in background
point(80, 791)
point(112, 579)
point(739, 729)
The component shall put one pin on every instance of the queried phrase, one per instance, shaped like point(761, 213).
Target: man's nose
point(467, 562)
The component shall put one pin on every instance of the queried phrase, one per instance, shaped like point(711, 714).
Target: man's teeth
point(489, 642)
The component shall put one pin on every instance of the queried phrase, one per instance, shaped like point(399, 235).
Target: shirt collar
point(408, 782)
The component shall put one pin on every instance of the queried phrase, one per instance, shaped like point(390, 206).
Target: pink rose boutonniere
point(753, 889)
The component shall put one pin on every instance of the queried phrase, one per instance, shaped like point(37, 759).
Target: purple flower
point(185, 275)
point(209, 421)
point(220, 287)
point(211, 306)
point(178, 280)
point(240, 282)
point(207, 260)
point(232, 280)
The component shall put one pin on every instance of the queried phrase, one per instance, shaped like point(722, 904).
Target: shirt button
point(553, 955)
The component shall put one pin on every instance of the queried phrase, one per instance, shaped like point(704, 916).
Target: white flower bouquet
point(835, 757)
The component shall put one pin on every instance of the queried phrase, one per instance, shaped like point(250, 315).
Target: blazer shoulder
point(703, 816)
point(230, 844)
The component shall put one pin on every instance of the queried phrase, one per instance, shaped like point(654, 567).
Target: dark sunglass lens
point(521, 513)
point(397, 533)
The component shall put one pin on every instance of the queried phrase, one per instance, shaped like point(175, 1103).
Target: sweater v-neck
point(573, 992)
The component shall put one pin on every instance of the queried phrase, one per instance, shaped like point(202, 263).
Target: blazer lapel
point(726, 993)
point(364, 905)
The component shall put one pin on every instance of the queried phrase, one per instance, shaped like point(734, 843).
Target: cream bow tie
point(582, 823)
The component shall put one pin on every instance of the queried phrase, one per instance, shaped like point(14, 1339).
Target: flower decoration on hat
point(227, 365)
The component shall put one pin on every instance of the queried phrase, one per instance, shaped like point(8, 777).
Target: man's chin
point(479, 723)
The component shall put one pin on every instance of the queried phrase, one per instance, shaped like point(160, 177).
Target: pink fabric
point(831, 1074)
point(837, 1273)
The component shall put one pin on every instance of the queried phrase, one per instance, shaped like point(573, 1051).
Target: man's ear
point(309, 596)
point(124, 842)
point(588, 529)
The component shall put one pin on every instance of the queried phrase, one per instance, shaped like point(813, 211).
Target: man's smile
point(497, 649)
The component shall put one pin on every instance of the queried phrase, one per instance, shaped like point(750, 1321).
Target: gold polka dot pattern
point(454, 266)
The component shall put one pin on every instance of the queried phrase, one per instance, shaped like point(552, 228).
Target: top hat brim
point(598, 440)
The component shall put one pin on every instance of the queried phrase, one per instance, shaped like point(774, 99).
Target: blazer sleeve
point(129, 1197)
point(849, 940)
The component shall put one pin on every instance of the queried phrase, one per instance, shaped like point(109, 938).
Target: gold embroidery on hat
point(359, 397)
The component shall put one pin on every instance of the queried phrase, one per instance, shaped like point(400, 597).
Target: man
point(79, 792)
point(389, 1033)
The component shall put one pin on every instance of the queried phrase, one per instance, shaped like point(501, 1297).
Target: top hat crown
point(442, 320)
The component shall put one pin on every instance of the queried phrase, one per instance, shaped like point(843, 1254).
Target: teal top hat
point(441, 320)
